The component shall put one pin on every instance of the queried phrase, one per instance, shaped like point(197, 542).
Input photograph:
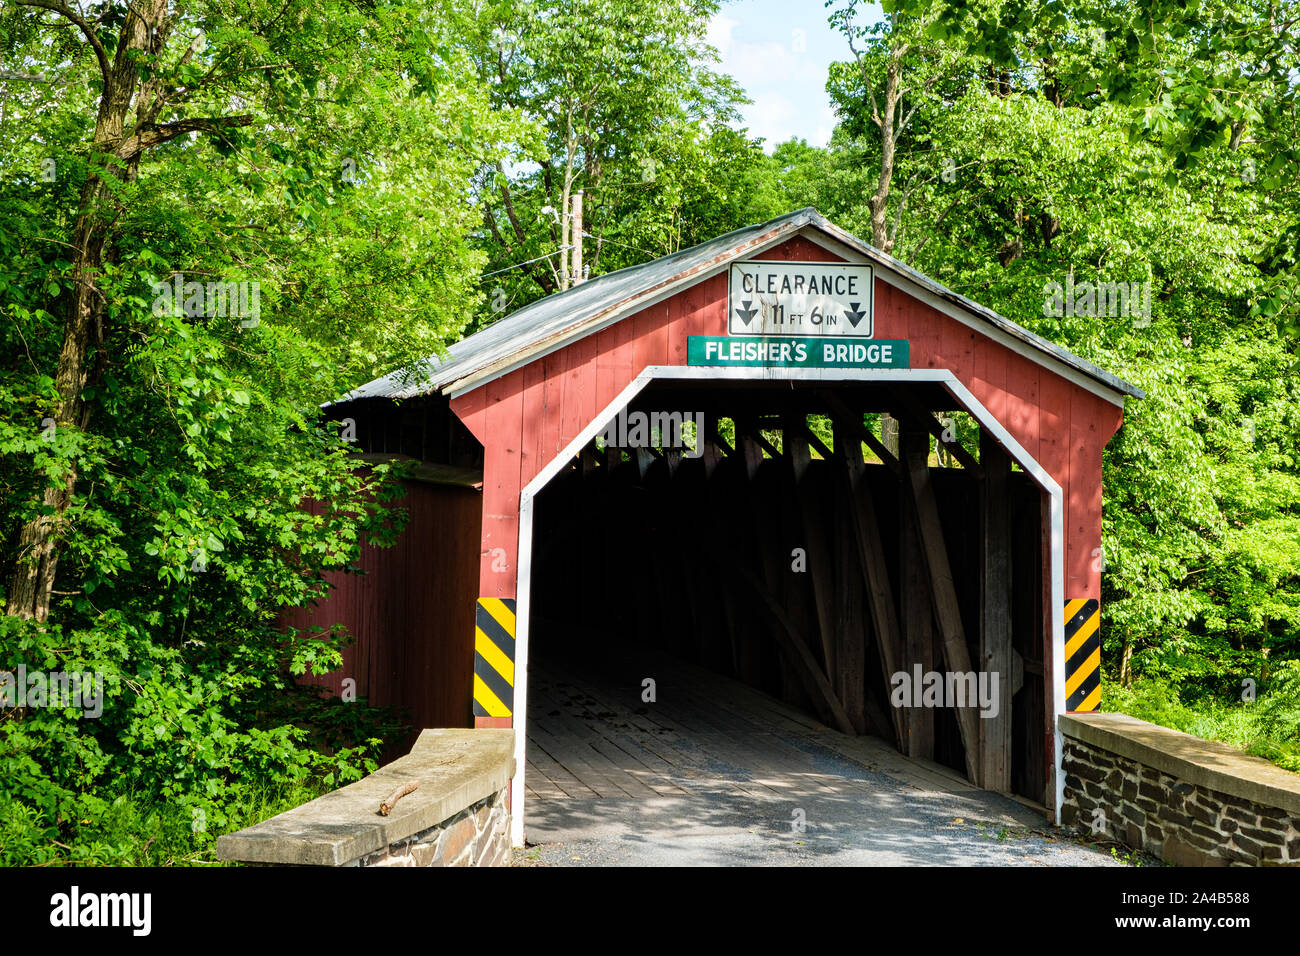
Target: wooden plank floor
point(591, 735)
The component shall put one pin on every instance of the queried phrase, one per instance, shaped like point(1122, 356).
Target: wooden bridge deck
point(590, 735)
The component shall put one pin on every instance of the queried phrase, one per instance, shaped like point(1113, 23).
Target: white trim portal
point(705, 374)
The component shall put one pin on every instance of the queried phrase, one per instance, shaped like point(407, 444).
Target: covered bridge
point(782, 455)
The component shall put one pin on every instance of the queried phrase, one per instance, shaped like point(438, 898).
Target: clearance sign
point(799, 298)
point(798, 315)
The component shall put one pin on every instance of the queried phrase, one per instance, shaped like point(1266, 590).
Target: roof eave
point(450, 377)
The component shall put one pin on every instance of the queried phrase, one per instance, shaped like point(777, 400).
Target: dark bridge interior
point(812, 558)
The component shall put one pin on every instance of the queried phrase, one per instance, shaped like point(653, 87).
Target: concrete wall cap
point(1205, 763)
point(455, 768)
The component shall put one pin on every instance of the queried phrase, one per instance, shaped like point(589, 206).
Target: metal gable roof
point(565, 316)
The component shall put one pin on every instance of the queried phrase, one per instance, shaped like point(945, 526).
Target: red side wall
point(415, 632)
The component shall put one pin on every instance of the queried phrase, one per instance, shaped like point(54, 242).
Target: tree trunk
point(879, 201)
point(1125, 674)
point(32, 582)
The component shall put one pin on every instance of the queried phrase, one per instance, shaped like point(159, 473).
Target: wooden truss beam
point(795, 648)
point(996, 652)
point(916, 613)
point(947, 611)
point(913, 410)
point(853, 422)
point(874, 569)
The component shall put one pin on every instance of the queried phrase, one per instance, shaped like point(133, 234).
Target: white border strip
point(705, 374)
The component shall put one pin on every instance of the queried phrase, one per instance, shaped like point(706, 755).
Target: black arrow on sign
point(852, 314)
point(746, 314)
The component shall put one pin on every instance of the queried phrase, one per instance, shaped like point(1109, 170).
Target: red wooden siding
point(526, 417)
point(415, 632)
point(798, 249)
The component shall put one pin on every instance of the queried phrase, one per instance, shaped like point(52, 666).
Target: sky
point(779, 52)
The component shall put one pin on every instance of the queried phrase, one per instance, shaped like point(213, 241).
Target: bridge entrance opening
point(866, 557)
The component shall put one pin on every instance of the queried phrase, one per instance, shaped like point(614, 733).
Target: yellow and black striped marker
point(494, 657)
point(1082, 654)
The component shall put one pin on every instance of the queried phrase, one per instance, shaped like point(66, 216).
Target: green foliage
point(622, 104)
point(210, 496)
point(138, 831)
point(188, 533)
point(1264, 722)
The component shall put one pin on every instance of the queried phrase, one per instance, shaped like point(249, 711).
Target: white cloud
point(788, 88)
point(718, 34)
point(777, 117)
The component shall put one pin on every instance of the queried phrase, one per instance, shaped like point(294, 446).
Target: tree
point(159, 77)
point(208, 227)
point(626, 110)
point(898, 70)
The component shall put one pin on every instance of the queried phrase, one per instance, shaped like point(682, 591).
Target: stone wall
point(477, 836)
point(1188, 801)
point(457, 816)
